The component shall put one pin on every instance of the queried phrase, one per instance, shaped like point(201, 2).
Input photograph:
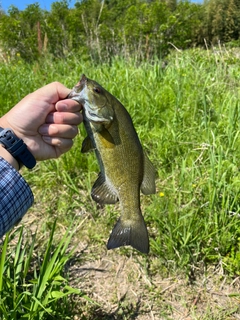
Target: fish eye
point(97, 90)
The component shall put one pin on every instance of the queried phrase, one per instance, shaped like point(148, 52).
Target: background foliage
point(103, 29)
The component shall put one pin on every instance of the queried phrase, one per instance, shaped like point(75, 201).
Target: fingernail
point(62, 107)
point(47, 139)
point(43, 129)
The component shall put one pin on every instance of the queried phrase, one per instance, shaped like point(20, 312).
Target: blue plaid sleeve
point(15, 196)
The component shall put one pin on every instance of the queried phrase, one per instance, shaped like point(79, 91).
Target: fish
point(125, 168)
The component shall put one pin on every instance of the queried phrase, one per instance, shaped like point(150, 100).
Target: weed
point(35, 287)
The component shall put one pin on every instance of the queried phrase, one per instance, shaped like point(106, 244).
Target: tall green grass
point(35, 287)
point(188, 119)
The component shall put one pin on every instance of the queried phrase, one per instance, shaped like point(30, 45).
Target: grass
point(34, 289)
point(188, 118)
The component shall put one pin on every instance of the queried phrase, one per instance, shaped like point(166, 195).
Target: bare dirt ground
point(126, 285)
point(126, 288)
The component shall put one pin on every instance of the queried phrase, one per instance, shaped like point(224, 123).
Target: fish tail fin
point(133, 233)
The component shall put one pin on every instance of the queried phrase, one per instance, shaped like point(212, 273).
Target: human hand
point(45, 122)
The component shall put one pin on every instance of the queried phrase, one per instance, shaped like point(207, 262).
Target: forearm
point(8, 157)
point(15, 195)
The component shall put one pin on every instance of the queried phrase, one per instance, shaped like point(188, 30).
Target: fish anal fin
point(133, 233)
point(148, 185)
point(87, 145)
point(102, 192)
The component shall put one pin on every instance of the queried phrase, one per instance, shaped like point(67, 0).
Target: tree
point(232, 28)
point(222, 20)
point(57, 28)
point(20, 31)
point(172, 4)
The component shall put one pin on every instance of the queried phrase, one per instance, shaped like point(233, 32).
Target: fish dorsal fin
point(87, 145)
point(148, 185)
point(102, 192)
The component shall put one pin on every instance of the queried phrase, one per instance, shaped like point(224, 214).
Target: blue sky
point(44, 4)
point(22, 4)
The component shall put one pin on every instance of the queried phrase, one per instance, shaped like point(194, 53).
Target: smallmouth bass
point(124, 167)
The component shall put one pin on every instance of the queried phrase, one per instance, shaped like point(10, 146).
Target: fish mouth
point(78, 88)
point(75, 96)
point(90, 113)
point(94, 117)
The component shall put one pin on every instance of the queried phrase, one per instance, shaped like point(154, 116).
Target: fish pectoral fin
point(148, 185)
point(107, 139)
point(87, 145)
point(102, 192)
point(133, 233)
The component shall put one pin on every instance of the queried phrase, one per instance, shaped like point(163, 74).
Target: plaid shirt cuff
point(15, 197)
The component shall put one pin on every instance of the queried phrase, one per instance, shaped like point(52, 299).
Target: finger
point(54, 91)
point(62, 145)
point(68, 105)
point(58, 130)
point(64, 118)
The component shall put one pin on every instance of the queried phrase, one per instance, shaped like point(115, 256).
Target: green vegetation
point(105, 29)
point(187, 115)
point(33, 290)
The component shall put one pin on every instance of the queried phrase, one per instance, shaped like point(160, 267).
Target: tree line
point(103, 29)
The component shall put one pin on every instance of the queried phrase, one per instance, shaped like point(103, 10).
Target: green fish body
point(124, 167)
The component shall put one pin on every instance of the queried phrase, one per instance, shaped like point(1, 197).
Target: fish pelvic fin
point(87, 145)
point(148, 185)
point(102, 192)
point(133, 233)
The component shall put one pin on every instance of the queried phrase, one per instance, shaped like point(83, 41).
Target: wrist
point(8, 157)
point(17, 148)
